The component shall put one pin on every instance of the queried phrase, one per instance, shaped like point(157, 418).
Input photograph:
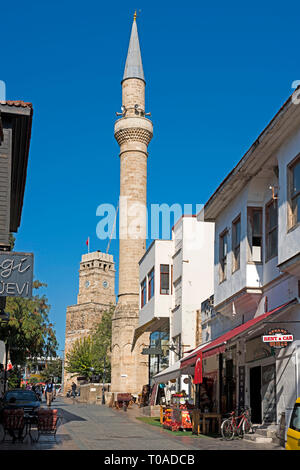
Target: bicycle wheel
point(227, 429)
point(247, 426)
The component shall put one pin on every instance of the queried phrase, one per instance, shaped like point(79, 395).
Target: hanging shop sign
point(152, 351)
point(16, 274)
point(242, 377)
point(278, 338)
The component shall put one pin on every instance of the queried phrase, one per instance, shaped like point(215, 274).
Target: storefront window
point(294, 177)
point(271, 230)
point(159, 340)
point(255, 233)
point(228, 383)
point(164, 279)
point(208, 389)
point(151, 284)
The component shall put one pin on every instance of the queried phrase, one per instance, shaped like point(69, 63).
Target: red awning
point(190, 360)
point(218, 345)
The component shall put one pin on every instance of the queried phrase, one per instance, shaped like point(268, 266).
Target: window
point(151, 284)
point(236, 241)
point(164, 279)
point(223, 255)
point(159, 340)
point(177, 346)
point(143, 293)
point(255, 233)
point(294, 177)
point(295, 418)
point(271, 229)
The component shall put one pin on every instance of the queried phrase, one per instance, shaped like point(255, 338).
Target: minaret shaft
point(133, 133)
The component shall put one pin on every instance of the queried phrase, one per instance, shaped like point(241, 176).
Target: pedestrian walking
point(74, 386)
point(49, 392)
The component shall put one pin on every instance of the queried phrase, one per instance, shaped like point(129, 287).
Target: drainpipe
point(5, 366)
point(297, 371)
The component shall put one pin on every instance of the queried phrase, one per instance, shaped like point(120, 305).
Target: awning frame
point(220, 344)
point(155, 324)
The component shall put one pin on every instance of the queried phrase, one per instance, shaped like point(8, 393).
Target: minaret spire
point(134, 66)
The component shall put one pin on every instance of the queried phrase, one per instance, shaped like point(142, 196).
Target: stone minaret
point(133, 132)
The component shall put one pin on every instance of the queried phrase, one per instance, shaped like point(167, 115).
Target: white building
point(256, 211)
point(175, 277)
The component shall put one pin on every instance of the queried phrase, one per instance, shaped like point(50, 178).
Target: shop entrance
point(255, 395)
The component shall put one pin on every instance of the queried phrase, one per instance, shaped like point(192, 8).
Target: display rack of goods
point(178, 416)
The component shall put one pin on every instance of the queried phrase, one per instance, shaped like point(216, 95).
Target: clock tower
point(96, 279)
point(96, 294)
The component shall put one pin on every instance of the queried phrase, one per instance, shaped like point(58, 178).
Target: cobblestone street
point(94, 427)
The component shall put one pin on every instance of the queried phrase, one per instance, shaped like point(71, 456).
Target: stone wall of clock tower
point(96, 278)
point(96, 294)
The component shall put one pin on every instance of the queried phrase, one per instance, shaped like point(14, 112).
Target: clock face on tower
point(105, 284)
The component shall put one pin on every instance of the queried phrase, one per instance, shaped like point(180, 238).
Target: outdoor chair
point(13, 424)
point(123, 400)
point(47, 422)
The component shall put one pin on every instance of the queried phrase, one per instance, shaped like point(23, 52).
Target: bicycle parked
point(237, 425)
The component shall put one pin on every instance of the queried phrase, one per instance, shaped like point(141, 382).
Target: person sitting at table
point(11, 401)
point(205, 402)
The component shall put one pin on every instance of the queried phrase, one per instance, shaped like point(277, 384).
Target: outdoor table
point(200, 422)
point(216, 420)
point(196, 421)
point(29, 420)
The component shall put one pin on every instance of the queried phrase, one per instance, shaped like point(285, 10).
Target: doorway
point(255, 395)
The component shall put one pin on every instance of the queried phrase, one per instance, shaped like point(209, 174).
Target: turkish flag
point(198, 377)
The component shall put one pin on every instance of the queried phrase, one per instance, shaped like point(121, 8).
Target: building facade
point(15, 134)
point(175, 277)
point(256, 211)
point(96, 295)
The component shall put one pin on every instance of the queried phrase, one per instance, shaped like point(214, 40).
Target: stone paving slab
point(97, 427)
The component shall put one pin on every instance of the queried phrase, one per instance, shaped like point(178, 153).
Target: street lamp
point(4, 319)
point(63, 370)
point(103, 382)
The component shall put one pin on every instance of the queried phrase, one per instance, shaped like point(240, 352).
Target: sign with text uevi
point(16, 274)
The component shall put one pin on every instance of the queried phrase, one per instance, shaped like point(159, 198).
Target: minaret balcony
point(133, 129)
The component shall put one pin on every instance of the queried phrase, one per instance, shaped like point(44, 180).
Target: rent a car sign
point(278, 338)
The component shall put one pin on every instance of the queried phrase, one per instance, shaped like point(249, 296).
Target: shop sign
point(152, 351)
point(241, 387)
point(16, 274)
point(278, 338)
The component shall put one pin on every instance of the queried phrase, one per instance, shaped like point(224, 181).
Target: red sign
point(198, 377)
point(278, 338)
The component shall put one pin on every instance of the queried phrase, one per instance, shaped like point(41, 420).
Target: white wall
point(234, 281)
point(194, 265)
point(288, 369)
point(160, 252)
point(256, 193)
point(289, 242)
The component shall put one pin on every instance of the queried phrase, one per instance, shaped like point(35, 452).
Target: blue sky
point(216, 74)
